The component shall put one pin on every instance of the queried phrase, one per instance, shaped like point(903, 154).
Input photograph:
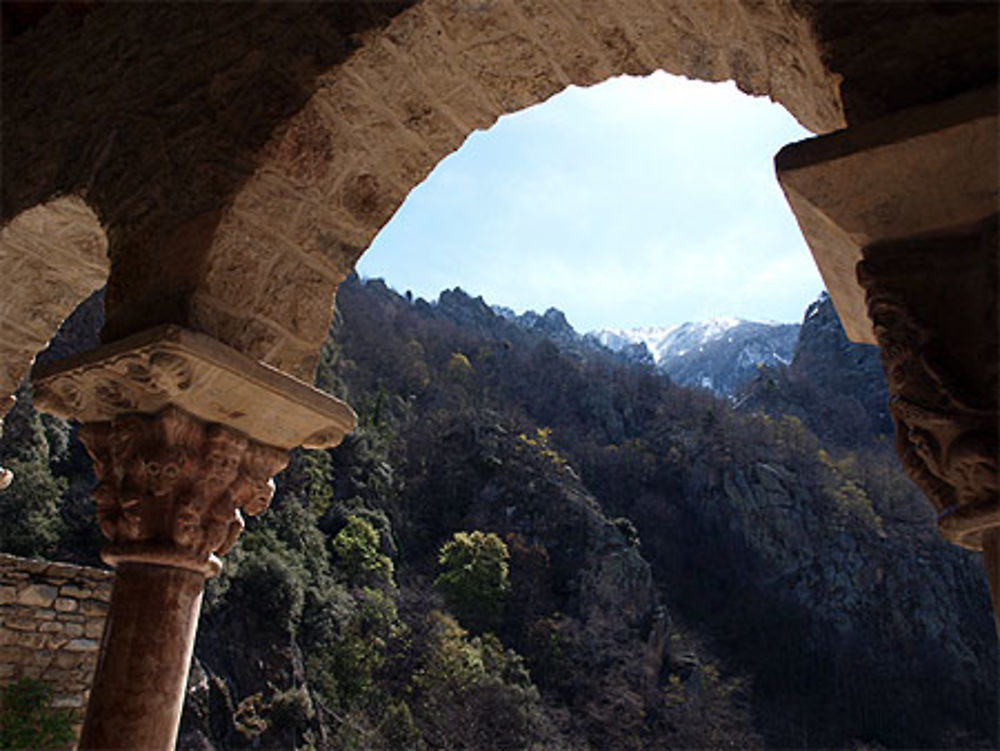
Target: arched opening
point(239, 186)
point(636, 202)
point(331, 176)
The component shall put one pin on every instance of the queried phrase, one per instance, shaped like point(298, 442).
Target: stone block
point(854, 188)
point(12, 654)
point(65, 605)
point(94, 607)
point(93, 629)
point(29, 640)
point(8, 594)
point(71, 618)
point(75, 592)
point(21, 624)
point(45, 614)
point(57, 641)
point(74, 630)
point(82, 645)
point(67, 660)
point(38, 595)
point(67, 701)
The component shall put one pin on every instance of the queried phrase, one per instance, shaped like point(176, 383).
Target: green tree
point(474, 580)
point(32, 524)
point(357, 548)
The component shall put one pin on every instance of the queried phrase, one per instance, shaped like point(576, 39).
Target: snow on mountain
point(721, 354)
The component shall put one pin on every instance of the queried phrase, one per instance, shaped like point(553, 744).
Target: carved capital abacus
point(170, 365)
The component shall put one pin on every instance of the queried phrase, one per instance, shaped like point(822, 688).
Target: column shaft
point(138, 689)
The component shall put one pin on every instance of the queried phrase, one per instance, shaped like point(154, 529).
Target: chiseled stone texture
point(52, 256)
point(332, 175)
point(242, 157)
point(51, 619)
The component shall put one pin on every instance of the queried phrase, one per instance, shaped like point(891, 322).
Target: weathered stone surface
point(19, 624)
point(33, 643)
point(77, 593)
point(172, 366)
point(51, 257)
point(39, 595)
point(941, 361)
point(65, 604)
point(94, 607)
point(82, 645)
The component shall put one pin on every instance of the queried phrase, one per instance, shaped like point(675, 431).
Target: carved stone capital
point(185, 434)
point(170, 365)
point(932, 302)
point(171, 487)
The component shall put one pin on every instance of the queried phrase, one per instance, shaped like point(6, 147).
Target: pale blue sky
point(641, 201)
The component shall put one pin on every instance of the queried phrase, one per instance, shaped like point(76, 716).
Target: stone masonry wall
point(51, 619)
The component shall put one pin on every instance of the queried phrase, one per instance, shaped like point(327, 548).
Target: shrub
point(28, 720)
point(474, 580)
point(357, 548)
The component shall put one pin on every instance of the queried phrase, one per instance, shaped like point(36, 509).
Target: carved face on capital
point(168, 470)
point(259, 497)
point(222, 458)
point(187, 530)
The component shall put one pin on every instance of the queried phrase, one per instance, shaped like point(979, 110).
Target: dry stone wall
point(51, 619)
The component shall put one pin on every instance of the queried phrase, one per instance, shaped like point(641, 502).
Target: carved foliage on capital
point(942, 378)
point(122, 384)
point(171, 487)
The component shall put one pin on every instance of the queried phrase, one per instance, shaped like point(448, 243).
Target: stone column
point(186, 435)
point(901, 215)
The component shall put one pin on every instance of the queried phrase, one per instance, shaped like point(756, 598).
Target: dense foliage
point(523, 546)
point(29, 721)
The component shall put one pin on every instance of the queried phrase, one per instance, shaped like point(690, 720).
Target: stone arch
point(332, 175)
point(52, 256)
point(242, 156)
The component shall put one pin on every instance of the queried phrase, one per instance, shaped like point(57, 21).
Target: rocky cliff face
point(835, 386)
point(599, 609)
point(683, 573)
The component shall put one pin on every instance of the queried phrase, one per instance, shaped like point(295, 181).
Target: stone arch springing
point(52, 257)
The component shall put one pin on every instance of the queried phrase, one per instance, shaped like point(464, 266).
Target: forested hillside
point(532, 546)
